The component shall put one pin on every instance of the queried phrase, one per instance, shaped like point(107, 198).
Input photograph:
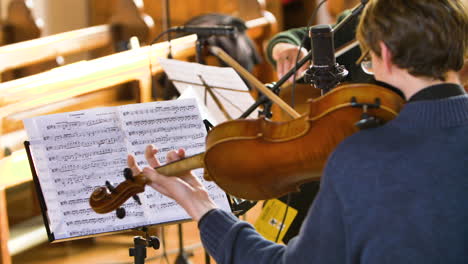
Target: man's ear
point(386, 56)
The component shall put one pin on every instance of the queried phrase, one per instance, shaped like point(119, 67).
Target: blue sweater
point(393, 194)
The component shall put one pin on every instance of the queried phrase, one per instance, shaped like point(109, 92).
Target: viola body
point(260, 159)
point(300, 101)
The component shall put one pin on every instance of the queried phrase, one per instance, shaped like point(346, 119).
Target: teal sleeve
point(295, 36)
point(292, 36)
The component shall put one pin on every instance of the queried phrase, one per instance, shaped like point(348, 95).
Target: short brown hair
point(426, 37)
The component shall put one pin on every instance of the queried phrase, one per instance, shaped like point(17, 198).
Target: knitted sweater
point(394, 194)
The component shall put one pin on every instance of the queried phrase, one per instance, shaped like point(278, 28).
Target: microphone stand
point(199, 47)
point(276, 86)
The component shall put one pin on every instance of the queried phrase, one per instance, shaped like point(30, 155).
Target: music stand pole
point(140, 245)
point(139, 250)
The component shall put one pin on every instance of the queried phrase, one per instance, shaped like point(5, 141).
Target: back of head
point(428, 38)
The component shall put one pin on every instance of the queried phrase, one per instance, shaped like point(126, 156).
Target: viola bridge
point(365, 106)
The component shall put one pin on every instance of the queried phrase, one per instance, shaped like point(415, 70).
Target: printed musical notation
point(72, 125)
point(168, 139)
point(85, 144)
point(77, 152)
point(121, 162)
point(159, 121)
point(173, 109)
point(163, 129)
point(78, 134)
point(74, 202)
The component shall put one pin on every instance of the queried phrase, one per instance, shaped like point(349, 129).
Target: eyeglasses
point(366, 62)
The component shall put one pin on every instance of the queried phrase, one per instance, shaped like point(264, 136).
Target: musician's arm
point(321, 239)
point(230, 240)
point(186, 190)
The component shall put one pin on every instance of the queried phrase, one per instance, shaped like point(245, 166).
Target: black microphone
point(323, 48)
point(324, 73)
point(206, 30)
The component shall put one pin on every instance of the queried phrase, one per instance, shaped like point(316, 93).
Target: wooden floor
point(114, 249)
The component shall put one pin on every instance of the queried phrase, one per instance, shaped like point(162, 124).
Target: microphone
point(206, 30)
point(323, 48)
point(324, 73)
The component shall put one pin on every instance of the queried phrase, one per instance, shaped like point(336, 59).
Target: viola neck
point(180, 167)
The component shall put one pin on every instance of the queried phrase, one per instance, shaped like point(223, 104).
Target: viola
point(258, 159)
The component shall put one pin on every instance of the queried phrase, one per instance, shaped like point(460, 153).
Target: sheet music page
point(74, 153)
point(226, 84)
point(169, 126)
point(204, 112)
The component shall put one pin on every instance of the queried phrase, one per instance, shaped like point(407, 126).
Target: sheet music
point(204, 112)
point(175, 125)
point(78, 151)
point(226, 84)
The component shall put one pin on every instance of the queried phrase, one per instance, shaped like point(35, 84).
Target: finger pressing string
point(131, 162)
point(150, 155)
point(175, 155)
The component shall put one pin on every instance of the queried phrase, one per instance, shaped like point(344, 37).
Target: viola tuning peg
point(110, 187)
point(120, 212)
point(128, 174)
point(137, 199)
